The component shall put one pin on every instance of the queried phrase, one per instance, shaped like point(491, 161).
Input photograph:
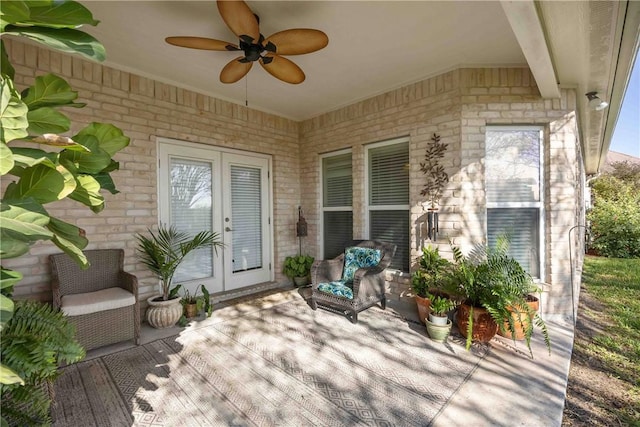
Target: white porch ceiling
point(374, 46)
point(377, 46)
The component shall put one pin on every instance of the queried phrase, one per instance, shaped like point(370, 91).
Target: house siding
point(457, 105)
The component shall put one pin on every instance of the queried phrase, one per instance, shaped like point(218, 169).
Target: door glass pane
point(521, 227)
point(246, 211)
point(191, 212)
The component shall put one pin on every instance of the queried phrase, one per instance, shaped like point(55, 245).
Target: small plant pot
point(521, 322)
point(301, 281)
point(439, 333)
point(484, 327)
point(190, 310)
point(438, 320)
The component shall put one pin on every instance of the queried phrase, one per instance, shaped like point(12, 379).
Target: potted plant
point(162, 253)
point(438, 324)
point(193, 303)
point(426, 280)
point(489, 290)
point(298, 268)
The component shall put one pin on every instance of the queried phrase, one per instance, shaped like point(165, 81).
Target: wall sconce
point(595, 103)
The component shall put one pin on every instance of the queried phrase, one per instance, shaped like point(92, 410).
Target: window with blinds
point(513, 166)
point(191, 212)
point(337, 202)
point(388, 197)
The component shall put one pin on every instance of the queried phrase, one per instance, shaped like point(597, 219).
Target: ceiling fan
point(245, 24)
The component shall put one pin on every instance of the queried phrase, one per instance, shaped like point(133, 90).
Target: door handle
point(227, 229)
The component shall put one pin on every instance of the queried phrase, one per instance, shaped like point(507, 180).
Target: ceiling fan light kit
point(256, 48)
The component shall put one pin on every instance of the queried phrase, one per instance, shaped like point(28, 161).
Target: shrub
point(615, 217)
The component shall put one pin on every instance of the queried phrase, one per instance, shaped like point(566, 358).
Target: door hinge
point(269, 220)
point(269, 266)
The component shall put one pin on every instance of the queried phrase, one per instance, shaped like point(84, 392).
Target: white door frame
point(201, 152)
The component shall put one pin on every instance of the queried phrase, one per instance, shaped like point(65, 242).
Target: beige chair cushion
point(92, 302)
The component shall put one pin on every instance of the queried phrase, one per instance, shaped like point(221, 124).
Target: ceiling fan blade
point(235, 70)
point(201, 43)
point(297, 41)
point(239, 18)
point(282, 68)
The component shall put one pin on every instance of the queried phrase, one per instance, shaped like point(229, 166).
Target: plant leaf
point(106, 182)
point(87, 192)
point(22, 223)
point(63, 39)
point(70, 239)
point(6, 159)
point(5, 65)
point(65, 14)
point(13, 112)
point(12, 12)
point(89, 162)
point(47, 91)
point(6, 310)
point(7, 376)
point(43, 183)
point(47, 120)
point(110, 138)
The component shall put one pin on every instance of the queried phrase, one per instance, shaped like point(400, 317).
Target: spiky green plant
point(163, 252)
point(35, 342)
point(500, 285)
point(430, 272)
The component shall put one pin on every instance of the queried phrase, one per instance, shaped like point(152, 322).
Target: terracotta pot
point(484, 327)
point(191, 310)
point(163, 314)
point(424, 305)
point(520, 326)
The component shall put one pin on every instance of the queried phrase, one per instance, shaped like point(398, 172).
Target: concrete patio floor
point(504, 387)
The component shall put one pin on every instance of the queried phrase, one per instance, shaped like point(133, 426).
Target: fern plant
point(500, 285)
point(436, 177)
point(35, 342)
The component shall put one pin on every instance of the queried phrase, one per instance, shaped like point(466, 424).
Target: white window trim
point(540, 205)
point(324, 209)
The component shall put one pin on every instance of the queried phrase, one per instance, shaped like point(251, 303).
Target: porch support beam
point(527, 27)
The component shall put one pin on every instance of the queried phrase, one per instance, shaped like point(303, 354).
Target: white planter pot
point(437, 320)
point(163, 314)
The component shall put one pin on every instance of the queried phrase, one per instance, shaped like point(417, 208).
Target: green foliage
point(77, 168)
point(203, 301)
point(163, 252)
point(440, 306)
point(430, 272)
point(436, 177)
point(615, 349)
point(497, 283)
point(35, 342)
point(297, 266)
point(615, 217)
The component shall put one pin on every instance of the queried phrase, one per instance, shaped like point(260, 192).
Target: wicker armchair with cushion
point(354, 281)
point(101, 301)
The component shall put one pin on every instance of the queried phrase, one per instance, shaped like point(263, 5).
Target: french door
point(225, 192)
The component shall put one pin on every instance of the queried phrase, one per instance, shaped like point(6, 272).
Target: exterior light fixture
point(595, 103)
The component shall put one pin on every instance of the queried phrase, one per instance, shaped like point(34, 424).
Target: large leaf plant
point(42, 162)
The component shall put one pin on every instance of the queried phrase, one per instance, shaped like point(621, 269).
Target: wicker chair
point(357, 287)
point(101, 301)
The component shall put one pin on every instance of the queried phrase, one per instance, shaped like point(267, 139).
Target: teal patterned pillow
point(338, 288)
point(357, 257)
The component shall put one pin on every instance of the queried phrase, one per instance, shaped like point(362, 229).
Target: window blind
point(246, 212)
point(389, 199)
point(521, 226)
point(337, 196)
point(191, 212)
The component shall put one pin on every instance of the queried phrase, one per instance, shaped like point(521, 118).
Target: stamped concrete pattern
point(280, 365)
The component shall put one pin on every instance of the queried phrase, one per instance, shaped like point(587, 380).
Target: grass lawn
point(616, 284)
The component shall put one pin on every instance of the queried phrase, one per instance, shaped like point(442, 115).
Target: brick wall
point(457, 105)
point(147, 110)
